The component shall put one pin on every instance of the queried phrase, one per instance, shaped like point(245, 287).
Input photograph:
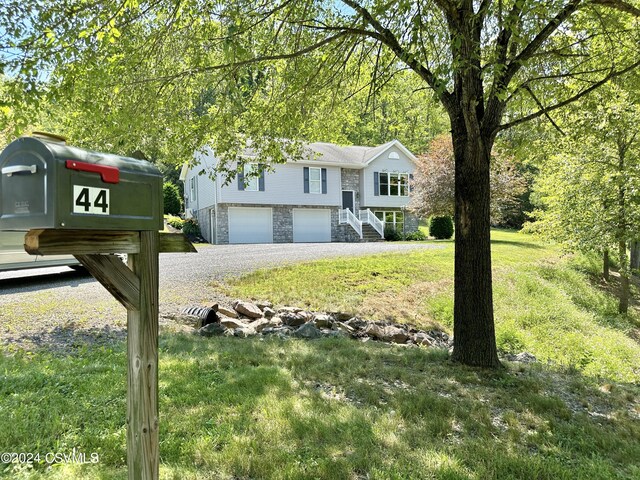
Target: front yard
point(234, 408)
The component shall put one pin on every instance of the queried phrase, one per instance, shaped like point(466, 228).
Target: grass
point(339, 409)
point(330, 409)
point(544, 302)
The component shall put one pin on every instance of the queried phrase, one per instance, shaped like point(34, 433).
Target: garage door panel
point(311, 225)
point(250, 225)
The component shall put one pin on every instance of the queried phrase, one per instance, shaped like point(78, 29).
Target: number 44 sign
point(90, 200)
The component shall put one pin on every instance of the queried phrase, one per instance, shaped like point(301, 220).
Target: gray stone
point(343, 328)
point(341, 316)
point(307, 331)
point(227, 312)
point(395, 335)
point(374, 331)
point(212, 330)
point(293, 319)
point(422, 338)
point(264, 304)
point(232, 322)
point(248, 309)
point(290, 309)
point(244, 332)
point(268, 312)
point(322, 320)
point(261, 324)
point(280, 331)
point(524, 357)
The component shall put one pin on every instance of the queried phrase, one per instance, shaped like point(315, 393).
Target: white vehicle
point(13, 256)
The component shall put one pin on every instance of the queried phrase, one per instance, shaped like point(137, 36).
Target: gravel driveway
point(57, 308)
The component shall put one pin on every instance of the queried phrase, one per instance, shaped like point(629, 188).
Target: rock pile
point(245, 319)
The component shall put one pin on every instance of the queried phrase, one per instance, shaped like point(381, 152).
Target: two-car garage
point(255, 225)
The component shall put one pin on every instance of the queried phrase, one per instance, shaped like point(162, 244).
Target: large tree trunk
point(473, 332)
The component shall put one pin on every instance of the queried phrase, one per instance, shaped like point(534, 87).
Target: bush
point(391, 234)
point(190, 227)
point(441, 227)
point(417, 236)
point(175, 222)
point(172, 202)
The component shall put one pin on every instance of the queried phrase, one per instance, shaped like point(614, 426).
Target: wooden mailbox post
point(93, 205)
point(136, 287)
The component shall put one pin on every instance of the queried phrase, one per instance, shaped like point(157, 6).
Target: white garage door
point(250, 225)
point(311, 225)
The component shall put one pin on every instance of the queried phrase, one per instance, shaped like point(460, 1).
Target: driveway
point(59, 308)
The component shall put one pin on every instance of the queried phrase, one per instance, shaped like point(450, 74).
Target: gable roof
point(355, 156)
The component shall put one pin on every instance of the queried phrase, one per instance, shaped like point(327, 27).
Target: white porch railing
point(347, 216)
point(367, 216)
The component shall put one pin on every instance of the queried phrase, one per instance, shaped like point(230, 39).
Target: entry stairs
point(368, 227)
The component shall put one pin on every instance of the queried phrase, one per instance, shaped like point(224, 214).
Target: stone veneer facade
point(351, 181)
point(283, 223)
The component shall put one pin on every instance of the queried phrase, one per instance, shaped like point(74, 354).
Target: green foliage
point(172, 201)
point(190, 227)
point(275, 409)
point(418, 236)
point(391, 234)
point(175, 222)
point(441, 228)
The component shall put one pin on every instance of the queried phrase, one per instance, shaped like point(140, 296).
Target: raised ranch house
point(333, 194)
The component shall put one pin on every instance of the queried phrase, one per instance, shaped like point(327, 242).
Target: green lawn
point(544, 301)
point(339, 409)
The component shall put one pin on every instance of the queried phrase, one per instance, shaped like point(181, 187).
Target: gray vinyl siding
point(285, 186)
point(384, 164)
point(205, 187)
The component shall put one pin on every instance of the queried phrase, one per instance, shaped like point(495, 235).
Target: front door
point(347, 200)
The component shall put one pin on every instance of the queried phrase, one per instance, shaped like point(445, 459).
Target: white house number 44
point(90, 200)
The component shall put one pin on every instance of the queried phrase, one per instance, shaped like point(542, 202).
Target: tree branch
point(572, 99)
point(618, 5)
point(389, 39)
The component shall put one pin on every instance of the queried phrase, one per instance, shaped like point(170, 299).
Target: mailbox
point(48, 184)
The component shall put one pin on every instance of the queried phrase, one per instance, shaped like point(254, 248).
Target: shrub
point(172, 202)
point(175, 222)
point(391, 234)
point(417, 236)
point(190, 227)
point(441, 227)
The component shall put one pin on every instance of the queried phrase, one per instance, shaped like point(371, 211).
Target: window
point(393, 219)
point(394, 184)
point(192, 189)
point(251, 177)
point(315, 180)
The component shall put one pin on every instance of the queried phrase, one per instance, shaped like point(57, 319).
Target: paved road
point(44, 306)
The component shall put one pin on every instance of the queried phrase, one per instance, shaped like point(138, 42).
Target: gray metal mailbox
point(48, 184)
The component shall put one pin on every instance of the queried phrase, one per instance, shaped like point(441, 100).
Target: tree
point(172, 202)
point(275, 70)
point(434, 182)
point(590, 189)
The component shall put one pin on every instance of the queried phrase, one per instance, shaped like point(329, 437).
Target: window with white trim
point(394, 184)
point(192, 189)
point(315, 180)
point(251, 174)
point(393, 219)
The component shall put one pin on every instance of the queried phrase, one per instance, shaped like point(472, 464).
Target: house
point(333, 194)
